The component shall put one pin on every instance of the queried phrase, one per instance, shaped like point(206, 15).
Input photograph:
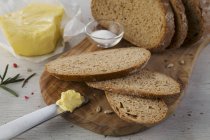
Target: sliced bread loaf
point(147, 23)
point(143, 84)
point(181, 25)
point(195, 21)
point(99, 65)
point(138, 110)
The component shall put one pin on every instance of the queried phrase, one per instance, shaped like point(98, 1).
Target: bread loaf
point(147, 23)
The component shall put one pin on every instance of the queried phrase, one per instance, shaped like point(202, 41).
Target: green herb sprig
point(9, 80)
point(27, 79)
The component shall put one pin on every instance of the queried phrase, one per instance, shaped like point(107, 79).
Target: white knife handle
point(26, 122)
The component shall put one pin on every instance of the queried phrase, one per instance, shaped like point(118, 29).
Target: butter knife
point(20, 125)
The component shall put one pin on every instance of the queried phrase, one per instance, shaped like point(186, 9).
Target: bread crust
point(169, 29)
point(181, 24)
point(195, 21)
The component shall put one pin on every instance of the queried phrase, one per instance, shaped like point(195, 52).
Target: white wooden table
point(190, 122)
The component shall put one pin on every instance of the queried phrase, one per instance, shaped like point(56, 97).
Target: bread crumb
point(181, 62)
point(170, 65)
point(98, 109)
point(108, 112)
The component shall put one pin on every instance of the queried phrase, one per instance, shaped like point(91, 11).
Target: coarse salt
point(104, 37)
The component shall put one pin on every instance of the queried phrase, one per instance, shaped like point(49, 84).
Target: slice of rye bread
point(195, 21)
point(136, 109)
point(147, 23)
point(143, 84)
point(181, 25)
point(99, 65)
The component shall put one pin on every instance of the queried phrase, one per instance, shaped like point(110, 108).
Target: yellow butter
point(34, 30)
point(70, 100)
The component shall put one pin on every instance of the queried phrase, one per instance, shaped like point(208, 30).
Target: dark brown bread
point(181, 25)
point(147, 23)
point(195, 21)
point(143, 84)
point(99, 65)
point(136, 109)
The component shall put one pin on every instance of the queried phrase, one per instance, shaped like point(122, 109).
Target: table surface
point(190, 121)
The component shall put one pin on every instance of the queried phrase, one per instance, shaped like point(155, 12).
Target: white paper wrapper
point(71, 23)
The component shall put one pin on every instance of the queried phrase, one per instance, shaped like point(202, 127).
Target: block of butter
point(70, 100)
point(34, 30)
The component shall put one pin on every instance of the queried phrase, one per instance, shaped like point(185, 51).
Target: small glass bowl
point(104, 33)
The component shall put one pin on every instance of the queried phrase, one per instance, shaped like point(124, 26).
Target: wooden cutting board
point(111, 124)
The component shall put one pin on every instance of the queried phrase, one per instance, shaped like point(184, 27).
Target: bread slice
point(147, 23)
point(195, 21)
point(143, 84)
point(181, 25)
point(99, 65)
point(138, 110)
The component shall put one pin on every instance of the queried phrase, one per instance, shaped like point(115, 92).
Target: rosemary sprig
point(5, 73)
point(9, 90)
point(13, 80)
point(9, 80)
point(26, 80)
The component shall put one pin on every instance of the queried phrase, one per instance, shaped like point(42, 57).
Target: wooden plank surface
point(181, 125)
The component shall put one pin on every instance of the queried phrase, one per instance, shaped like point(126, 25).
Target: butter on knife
point(70, 100)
